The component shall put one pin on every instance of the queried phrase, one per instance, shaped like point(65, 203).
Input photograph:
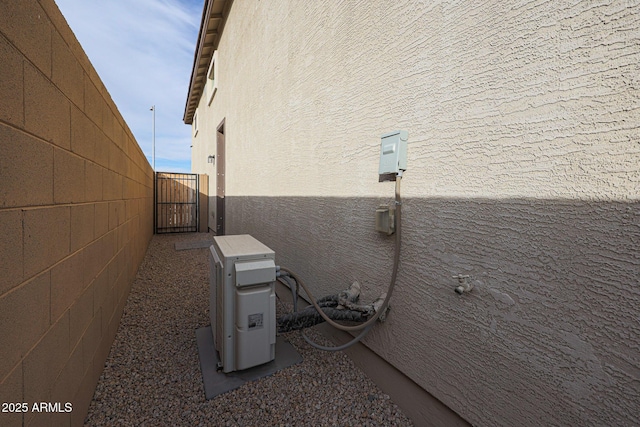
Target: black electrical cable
point(286, 280)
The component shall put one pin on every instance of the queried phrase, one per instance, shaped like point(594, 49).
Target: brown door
point(220, 179)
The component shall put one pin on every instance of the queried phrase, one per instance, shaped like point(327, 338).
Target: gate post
point(203, 216)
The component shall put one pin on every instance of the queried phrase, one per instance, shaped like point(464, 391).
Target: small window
point(194, 124)
point(212, 78)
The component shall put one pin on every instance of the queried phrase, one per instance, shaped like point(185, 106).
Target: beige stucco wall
point(204, 145)
point(523, 121)
point(76, 213)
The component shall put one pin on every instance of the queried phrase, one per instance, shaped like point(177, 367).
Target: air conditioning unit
point(242, 301)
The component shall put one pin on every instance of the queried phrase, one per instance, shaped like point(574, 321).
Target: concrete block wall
point(76, 213)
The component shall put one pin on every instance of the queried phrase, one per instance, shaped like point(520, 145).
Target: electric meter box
point(242, 301)
point(393, 152)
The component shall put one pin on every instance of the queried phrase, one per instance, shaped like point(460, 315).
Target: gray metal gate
point(176, 202)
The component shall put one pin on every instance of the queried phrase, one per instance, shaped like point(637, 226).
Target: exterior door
point(220, 171)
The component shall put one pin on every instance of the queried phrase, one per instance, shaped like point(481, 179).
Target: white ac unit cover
point(242, 305)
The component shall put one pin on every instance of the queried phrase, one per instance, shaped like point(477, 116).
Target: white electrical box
point(393, 153)
point(242, 301)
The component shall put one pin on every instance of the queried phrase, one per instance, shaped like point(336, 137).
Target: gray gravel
point(152, 375)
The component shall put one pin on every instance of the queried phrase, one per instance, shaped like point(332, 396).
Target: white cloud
point(143, 51)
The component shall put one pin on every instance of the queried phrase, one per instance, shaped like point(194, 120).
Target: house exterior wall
point(76, 213)
point(204, 145)
point(523, 121)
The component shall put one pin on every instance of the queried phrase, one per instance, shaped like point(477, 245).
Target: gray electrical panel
point(393, 153)
point(385, 219)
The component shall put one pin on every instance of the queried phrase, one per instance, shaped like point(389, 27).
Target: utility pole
point(153, 108)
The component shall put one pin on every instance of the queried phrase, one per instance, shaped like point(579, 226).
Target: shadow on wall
point(550, 332)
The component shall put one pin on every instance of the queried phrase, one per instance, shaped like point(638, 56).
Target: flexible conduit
point(366, 326)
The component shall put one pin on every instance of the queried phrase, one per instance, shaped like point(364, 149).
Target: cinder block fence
point(76, 217)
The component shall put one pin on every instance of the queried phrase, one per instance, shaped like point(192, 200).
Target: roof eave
point(214, 16)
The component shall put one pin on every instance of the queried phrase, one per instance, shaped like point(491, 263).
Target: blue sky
point(143, 51)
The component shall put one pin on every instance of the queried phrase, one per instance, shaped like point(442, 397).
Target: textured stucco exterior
point(76, 214)
point(523, 172)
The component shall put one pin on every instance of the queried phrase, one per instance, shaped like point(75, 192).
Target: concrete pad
point(181, 246)
point(217, 382)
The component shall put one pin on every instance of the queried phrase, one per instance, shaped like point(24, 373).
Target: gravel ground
point(152, 375)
